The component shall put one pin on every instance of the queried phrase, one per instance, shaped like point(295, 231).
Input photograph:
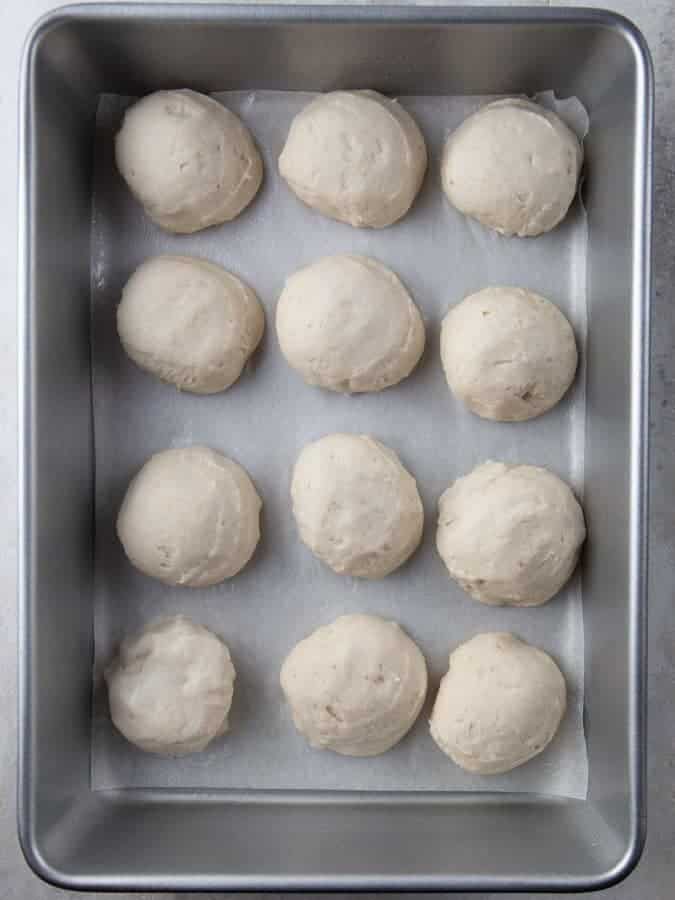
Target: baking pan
point(323, 840)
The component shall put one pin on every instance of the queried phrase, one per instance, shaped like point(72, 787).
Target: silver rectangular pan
point(260, 840)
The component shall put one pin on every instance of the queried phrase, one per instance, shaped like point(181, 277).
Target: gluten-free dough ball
point(355, 686)
point(190, 517)
point(508, 354)
point(355, 156)
point(189, 322)
point(510, 535)
point(346, 323)
point(499, 705)
point(170, 687)
point(355, 505)
point(513, 165)
point(189, 161)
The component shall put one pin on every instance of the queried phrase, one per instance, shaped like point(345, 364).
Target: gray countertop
point(654, 878)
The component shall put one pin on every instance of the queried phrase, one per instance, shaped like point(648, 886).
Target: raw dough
point(346, 323)
point(499, 705)
point(355, 156)
point(508, 354)
point(513, 165)
point(190, 517)
point(355, 686)
point(189, 160)
point(170, 688)
point(189, 322)
point(510, 535)
point(355, 505)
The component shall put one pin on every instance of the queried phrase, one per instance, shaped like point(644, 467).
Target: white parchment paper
point(263, 422)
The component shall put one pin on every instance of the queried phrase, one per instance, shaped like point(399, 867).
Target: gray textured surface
point(654, 878)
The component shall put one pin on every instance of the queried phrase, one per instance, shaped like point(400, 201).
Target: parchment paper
point(264, 421)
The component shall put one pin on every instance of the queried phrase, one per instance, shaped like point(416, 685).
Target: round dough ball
point(355, 156)
point(170, 687)
point(508, 354)
point(499, 705)
point(510, 535)
point(189, 322)
point(513, 165)
point(190, 517)
point(346, 323)
point(355, 505)
point(189, 161)
point(355, 686)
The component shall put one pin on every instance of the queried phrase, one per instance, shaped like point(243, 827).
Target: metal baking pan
point(272, 840)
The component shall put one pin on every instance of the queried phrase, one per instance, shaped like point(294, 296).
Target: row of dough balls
point(346, 323)
point(355, 686)
point(508, 534)
point(354, 156)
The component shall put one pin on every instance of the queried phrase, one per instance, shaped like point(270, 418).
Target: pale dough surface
point(189, 161)
point(355, 686)
point(170, 687)
point(355, 156)
point(509, 354)
point(347, 323)
point(513, 166)
point(190, 517)
point(356, 507)
point(499, 705)
point(510, 534)
point(189, 322)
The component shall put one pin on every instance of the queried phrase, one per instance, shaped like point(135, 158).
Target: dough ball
point(355, 156)
point(170, 687)
point(510, 535)
point(499, 705)
point(355, 686)
point(189, 322)
point(508, 354)
point(513, 166)
point(189, 161)
point(346, 323)
point(190, 517)
point(355, 505)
